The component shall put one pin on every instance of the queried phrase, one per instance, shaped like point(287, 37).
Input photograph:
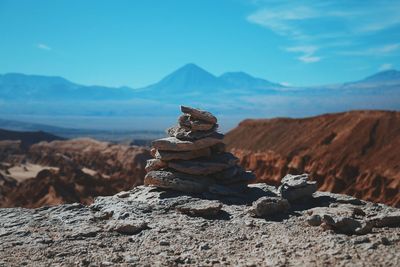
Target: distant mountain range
point(232, 96)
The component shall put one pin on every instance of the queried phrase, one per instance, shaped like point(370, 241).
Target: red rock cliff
point(355, 153)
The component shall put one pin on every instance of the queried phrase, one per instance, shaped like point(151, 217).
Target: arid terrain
point(189, 219)
point(67, 171)
point(354, 153)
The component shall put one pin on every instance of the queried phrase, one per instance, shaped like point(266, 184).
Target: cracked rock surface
point(150, 227)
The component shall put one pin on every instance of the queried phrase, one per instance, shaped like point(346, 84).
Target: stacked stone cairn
point(193, 158)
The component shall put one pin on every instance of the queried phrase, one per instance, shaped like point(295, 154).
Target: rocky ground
point(150, 227)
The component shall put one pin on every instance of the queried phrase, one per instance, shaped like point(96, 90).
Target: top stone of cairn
point(199, 114)
point(193, 158)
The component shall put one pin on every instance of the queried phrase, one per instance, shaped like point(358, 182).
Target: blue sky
point(135, 43)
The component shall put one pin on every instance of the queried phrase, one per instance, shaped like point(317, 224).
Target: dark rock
point(314, 220)
point(240, 176)
point(387, 219)
point(177, 181)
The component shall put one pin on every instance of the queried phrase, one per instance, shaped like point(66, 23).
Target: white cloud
point(331, 24)
point(309, 59)
point(307, 51)
point(43, 46)
point(291, 19)
point(285, 84)
point(383, 50)
point(388, 48)
point(385, 66)
point(282, 22)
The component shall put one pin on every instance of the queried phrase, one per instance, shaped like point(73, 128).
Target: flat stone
point(201, 208)
point(207, 166)
point(187, 122)
point(127, 227)
point(155, 164)
point(295, 187)
point(197, 167)
point(183, 133)
point(199, 114)
point(269, 206)
point(178, 181)
point(182, 155)
point(174, 144)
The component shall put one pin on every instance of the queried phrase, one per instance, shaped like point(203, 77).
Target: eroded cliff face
point(51, 173)
point(355, 153)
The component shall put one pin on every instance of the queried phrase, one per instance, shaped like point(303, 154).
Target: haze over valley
point(234, 96)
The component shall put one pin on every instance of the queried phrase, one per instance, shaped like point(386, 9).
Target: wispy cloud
point(383, 50)
point(43, 46)
point(282, 22)
point(308, 53)
point(330, 25)
point(385, 66)
point(291, 19)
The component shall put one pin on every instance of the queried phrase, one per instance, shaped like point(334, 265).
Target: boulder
point(295, 187)
point(269, 206)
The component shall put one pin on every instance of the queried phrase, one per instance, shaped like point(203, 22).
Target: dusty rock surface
point(149, 227)
point(353, 153)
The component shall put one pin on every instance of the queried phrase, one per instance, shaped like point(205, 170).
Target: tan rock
point(174, 144)
point(199, 114)
point(155, 164)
